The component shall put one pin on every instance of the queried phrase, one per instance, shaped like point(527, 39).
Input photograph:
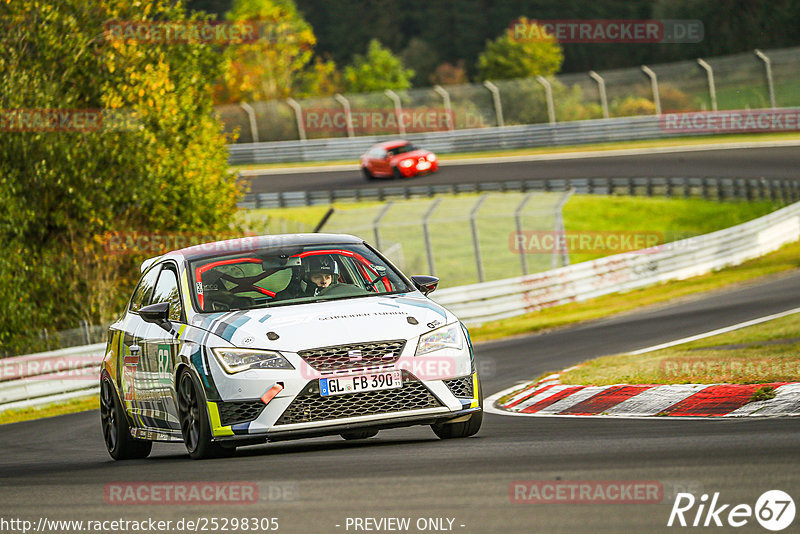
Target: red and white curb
point(549, 398)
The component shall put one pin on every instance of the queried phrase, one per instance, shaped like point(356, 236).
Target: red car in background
point(398, 159)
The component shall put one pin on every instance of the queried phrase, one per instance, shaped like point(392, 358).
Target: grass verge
point(80, 404)
point(785, 259)
point(649, 143)
point(761, 353)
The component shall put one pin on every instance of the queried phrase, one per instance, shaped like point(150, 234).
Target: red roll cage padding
point(198, 274)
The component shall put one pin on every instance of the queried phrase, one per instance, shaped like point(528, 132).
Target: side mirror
point(426, 284)
point(157, 314)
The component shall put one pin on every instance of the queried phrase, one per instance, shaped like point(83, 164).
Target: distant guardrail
point(476, 139)
point(708, 188)
point(47, 377)
point(500, 299)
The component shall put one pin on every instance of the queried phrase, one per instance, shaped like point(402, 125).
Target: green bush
point(63, 188)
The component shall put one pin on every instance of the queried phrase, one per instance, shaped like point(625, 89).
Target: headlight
point(234, 360)
point(406, 163)
point(446, 337)
point(431, 157)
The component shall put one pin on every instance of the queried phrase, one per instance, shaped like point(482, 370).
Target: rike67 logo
point(774, 510)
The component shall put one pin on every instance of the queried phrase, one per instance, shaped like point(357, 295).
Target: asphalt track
point(58, 468)
point(772, 162)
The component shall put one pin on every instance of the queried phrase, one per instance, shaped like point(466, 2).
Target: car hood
point(323, 324)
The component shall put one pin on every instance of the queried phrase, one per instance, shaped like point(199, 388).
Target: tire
point(195, 427)
point(464, 429)
point(396, 173)
point(359, 434)
point(116, 431)
point(368, 175)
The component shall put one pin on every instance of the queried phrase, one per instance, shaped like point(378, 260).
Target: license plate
point(358, 383)
point(423, 166)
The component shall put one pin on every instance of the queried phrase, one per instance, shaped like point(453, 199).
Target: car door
point(381, 162)
point(160, 349)
point(130, 365)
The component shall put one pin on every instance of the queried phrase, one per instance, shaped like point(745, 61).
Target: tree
point(507, 57)
point(272, 66)
point(420, 56)
point(65, 187)
point(378, 70)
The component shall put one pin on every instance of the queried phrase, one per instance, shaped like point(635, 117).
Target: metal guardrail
point(59, 375)
point(449, 142)
point(472, 140)
point(707, 188)
point(499, 299)
point(47, 377)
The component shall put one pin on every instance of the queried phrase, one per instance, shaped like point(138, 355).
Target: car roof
point(392, 144)
point(253, 243)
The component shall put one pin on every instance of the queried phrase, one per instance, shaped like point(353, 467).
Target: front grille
point(310, 407)
point(231, 413)
point(460, 387)
point(346, 357)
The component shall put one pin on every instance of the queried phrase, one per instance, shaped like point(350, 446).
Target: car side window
point(167, 291)
point(143, 291)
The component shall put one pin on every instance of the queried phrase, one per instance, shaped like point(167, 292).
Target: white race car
point(281, 337)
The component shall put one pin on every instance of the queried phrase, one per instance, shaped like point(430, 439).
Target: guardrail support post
point(523, 258)
point(298, 114)
point(348, 117)
point(712, 89)
point(498, 106)
point(548, 91)
point(448, 108)
point(601, 88)
point(426, 235)
point(654, 84)
point(398, 110)
point(251, 114)
point(768, 66)
point(376, 224)
point(475, 239)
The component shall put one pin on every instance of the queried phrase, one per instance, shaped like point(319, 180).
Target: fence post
point(376, 224)
point(251, 114)
point(426, 235)
point(548, 91)
point(298, 113)
point(398, 110)
point(712, 89)
point(601, 87)
point(498, 106)
point(558, 228)
point(448, 108)
point(475, 240)
point(347, 115)
point(523, 258)
point(768, 66)
point(654, 84)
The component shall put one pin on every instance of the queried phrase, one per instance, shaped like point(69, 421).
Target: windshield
point(402, 149)
point(277, 277)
